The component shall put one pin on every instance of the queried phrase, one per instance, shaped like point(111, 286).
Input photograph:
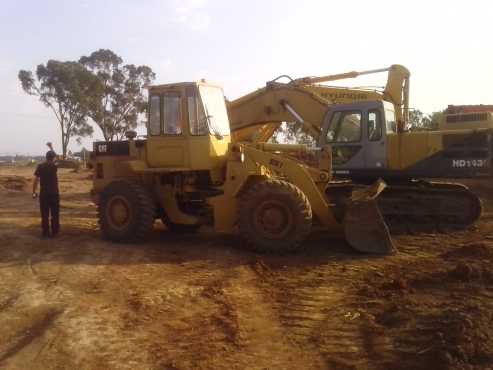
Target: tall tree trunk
point(65, 141)
point(64, 147)
point(105, 134)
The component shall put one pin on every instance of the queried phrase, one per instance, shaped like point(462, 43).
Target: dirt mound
point(475, 250)
point(16, 183)
point(470, 273)
point(429, 318)
point(459, 341)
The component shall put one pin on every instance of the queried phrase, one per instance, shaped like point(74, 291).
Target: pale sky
point(447, 46)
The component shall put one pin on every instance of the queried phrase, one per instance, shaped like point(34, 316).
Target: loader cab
point(358, 134)
point(188, 127)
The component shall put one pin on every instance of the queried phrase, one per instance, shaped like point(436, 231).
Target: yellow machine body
point(188, 173)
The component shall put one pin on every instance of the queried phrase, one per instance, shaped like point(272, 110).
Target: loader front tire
point(126, 212)
point(274, 216)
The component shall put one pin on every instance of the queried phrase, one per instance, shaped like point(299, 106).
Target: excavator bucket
point(364, 226)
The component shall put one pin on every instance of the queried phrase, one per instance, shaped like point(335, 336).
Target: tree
point(435, 119)
point(415, 119)
point(123, 99)
point(66, 88)
point(420, 121)
point(292, 133)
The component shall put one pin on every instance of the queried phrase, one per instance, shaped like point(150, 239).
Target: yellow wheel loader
point(365, 130)
point(188, 173)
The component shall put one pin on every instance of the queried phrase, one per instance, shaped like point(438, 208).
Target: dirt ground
point(202, 302)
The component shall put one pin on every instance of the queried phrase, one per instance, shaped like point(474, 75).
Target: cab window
point(374, 125)
point(345, 127)
point(196, 117)
point(155, 116)
point(391, 124)
point(215, 109)
point(172, 114)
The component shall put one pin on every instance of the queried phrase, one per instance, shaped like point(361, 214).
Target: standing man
point(49, 199)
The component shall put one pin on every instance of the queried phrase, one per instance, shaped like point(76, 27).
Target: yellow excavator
point(366, 130)
point(461, 147)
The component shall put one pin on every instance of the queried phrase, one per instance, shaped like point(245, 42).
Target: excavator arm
point(256, 116)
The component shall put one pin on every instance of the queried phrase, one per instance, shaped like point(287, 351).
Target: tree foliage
point(419, 121)
point(292, 133)
point(68, 89)
point(435, 119)
point(118, 108)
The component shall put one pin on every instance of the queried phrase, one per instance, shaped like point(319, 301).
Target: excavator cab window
point(374, 125)
point(345, 127)
point(391, 123)
point(345, 134)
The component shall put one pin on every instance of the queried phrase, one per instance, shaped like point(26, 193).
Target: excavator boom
point(256, 116)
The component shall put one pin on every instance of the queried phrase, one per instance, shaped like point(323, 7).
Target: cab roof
point(177, 85)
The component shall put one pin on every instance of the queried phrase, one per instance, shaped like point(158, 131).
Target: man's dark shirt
point(48, 178)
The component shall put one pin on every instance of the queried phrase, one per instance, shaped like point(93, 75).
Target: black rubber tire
point(141, 209)
point(289, 202)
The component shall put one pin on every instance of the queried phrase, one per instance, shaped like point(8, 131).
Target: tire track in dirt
point(178, 313)
point(214, 318)
point(25, 333)
point(94, 330)
point(320, 309)
point(157, 309)
point(261, 336)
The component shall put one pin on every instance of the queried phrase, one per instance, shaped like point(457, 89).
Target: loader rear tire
point(274, 216)
point(126, 212)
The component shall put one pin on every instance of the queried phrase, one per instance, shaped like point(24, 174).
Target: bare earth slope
point(202, 302)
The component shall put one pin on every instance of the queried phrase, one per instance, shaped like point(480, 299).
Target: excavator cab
point(188, 127)
point(358, 134)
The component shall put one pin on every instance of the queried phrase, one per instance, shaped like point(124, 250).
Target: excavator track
point(428, 206)
point(416, 206)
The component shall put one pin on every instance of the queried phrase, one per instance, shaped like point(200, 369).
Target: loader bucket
point(364, 226)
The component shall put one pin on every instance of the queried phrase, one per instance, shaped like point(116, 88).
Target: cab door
point(345, 133)
point(167, 144)
point(375, 151)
